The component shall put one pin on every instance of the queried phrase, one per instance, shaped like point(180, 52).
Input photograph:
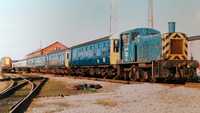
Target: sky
point(27, 25)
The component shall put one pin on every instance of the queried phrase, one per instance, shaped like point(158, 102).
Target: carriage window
point(99, 45)
point(152, 33)
point(116, 46)
point(103, 52)
point(104, 44)
point(67, 55)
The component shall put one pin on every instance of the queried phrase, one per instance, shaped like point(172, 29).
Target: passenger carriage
point(96, 58)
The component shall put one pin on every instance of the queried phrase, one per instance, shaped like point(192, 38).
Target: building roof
point(193, 38)
point(38, 50)
point(56, 43)
point(42, 49)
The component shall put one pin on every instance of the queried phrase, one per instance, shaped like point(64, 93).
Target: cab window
point(134, 35)
point(116, 46)
point(124, 38)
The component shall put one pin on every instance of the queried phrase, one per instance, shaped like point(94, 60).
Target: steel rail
point(12, 88)
point(23, 104)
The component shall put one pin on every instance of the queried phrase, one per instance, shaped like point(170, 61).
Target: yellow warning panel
point(174, 46)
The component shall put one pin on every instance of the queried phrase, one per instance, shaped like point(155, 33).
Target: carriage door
point(125, 47)
point(135, 50)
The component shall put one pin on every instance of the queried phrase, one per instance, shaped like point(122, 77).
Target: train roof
point(194, 38)
point(62, 50)
point(93, 41)
point(19, 60)
point(57, 51)
point(142, 31)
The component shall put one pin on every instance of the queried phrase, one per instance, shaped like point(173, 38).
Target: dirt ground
point(57, 86)
point(3, 85)
point(121, 98)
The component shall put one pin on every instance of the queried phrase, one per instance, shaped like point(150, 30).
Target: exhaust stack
point(172, 27)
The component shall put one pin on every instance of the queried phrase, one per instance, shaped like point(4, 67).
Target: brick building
point(56, 46)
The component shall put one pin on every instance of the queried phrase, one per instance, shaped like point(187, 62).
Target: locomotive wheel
point(126, 75)
point(91, 72)
point(145, 75)
point(150, 79)
point(110, 73)
point(141, 75)
point(134, 74)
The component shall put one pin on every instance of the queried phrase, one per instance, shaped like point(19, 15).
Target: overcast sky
point(26, 23)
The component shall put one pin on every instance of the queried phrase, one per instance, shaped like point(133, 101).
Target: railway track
point(18, 96)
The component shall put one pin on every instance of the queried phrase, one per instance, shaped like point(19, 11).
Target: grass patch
point(56, 88)
point(24, 91)
point(106, 102)
point(37, 104)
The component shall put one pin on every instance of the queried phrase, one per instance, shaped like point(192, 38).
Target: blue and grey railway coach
point(95, 56)
point(20, 66)
point(37, 62)
point(58, 59)
point(54, 62)
point(97, 52)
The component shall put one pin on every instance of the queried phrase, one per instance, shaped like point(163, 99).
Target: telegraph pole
point(110, 26)
point(113, 17)
point(150, 14)
point(40, 44)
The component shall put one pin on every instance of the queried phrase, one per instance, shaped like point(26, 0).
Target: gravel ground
point(134, 98)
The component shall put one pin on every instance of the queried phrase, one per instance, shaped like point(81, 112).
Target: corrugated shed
point(194, 48)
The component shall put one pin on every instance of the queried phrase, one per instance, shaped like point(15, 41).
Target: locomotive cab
point(140, 45)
